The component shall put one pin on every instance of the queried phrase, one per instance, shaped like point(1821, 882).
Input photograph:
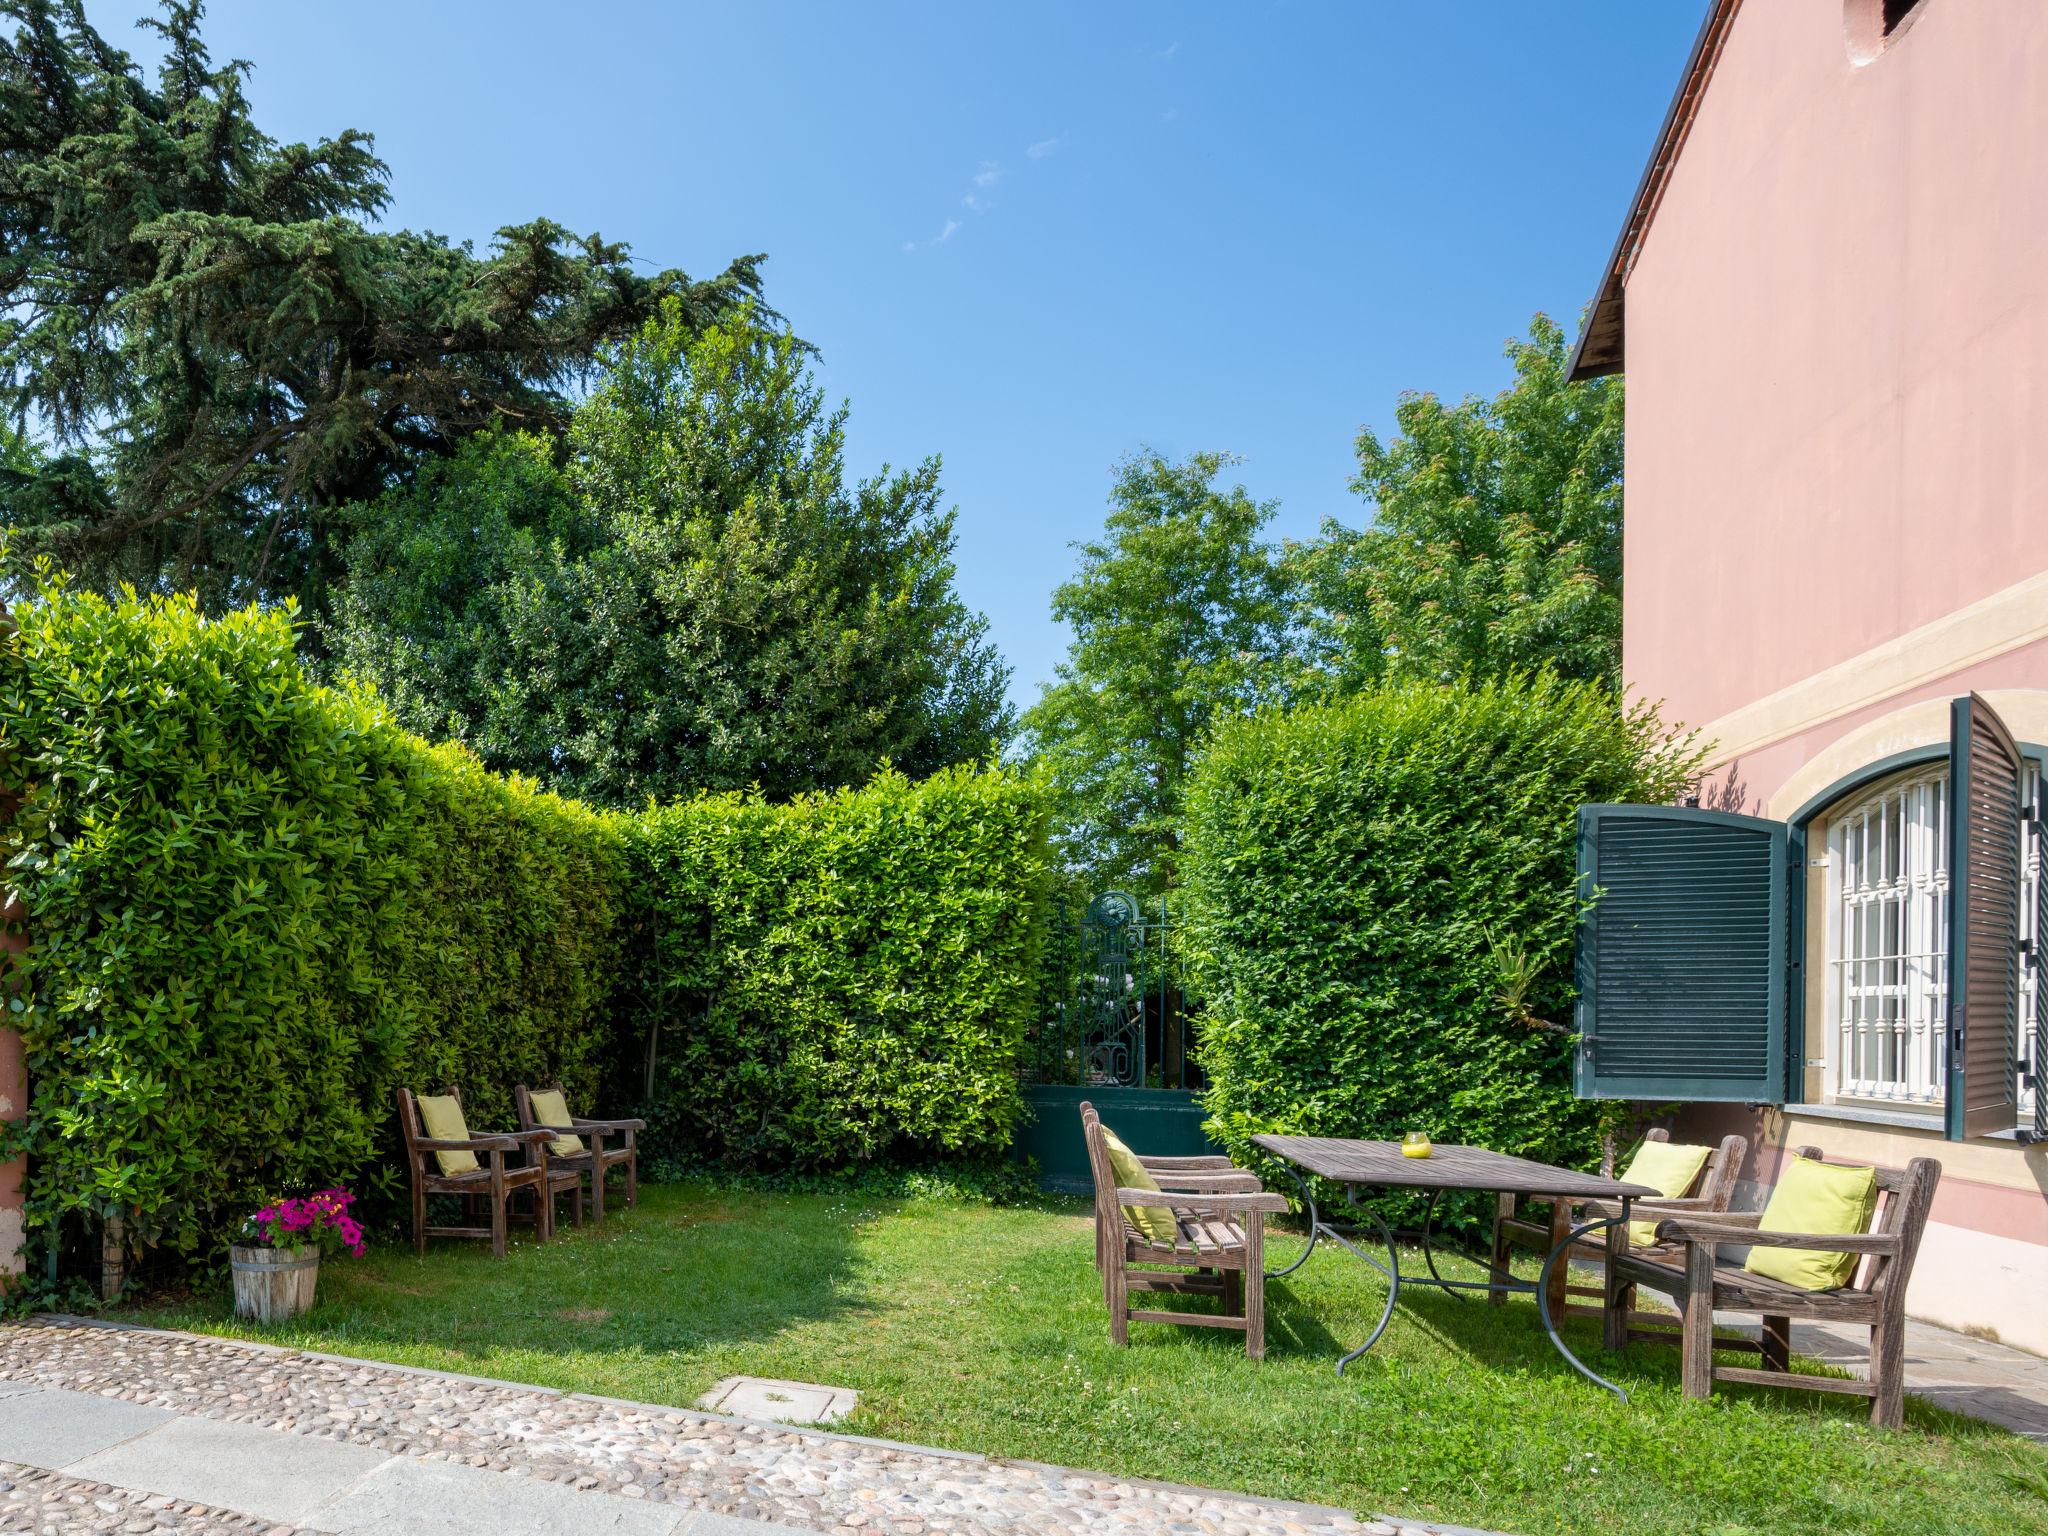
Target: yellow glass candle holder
point(1415, 1144)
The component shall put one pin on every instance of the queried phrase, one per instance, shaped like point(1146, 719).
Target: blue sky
point(1031, 238)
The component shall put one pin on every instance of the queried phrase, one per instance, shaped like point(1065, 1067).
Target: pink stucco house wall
point(1830, 300)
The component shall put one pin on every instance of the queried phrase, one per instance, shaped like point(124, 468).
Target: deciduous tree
point(1495, 544)
point(697, 598)
point(1179, 613)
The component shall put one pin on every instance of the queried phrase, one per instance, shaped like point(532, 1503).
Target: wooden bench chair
point(596, 1160)
point(1701, 1282)
point(1711, 1191)
point(490, 1186)
point(1219, 1246)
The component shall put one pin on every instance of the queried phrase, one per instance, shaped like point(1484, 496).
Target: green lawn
point(983, 1329)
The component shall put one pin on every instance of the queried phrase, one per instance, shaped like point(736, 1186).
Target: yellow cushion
point(1155, 1221)
point(1669, 1167)
point(441, 1114)
point(552, 1109)
point(1814, 1197)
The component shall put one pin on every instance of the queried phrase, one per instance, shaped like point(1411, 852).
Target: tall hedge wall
point(1357, 875)
point(255, 907)
point(842, 978)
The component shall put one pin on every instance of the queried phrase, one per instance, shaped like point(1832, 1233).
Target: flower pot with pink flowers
point(277, 1262)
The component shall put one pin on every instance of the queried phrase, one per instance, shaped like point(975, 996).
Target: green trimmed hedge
point(845, 978)
point(255, 907)
point(1382, 899)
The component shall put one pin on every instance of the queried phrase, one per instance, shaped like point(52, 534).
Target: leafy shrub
point(841, 979)
point(254, 907)
point(1356, 873)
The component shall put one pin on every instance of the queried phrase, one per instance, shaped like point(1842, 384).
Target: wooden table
point(1378, 1165)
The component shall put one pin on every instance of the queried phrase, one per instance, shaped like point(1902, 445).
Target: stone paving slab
point(242, 1467)
point(54, 1428)
point(32, 1500)
point(406, 1497)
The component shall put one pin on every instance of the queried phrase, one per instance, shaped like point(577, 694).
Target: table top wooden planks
point(1381, 1163)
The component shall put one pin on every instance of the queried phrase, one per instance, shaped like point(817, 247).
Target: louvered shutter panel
point(1985, 870)
point(1682, 954)
point(2038, 1062)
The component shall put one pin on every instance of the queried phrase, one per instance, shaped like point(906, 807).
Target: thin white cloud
point(1044, 147)
point(974, 204)
point(1168, 51)
point(946, 232)
point(989, 174)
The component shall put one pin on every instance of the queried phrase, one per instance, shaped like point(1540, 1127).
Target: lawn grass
point(983, 1329)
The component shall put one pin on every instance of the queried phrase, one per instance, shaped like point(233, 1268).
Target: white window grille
point(1888, 940)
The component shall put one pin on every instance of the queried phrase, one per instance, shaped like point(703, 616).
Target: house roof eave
point(1600, 349)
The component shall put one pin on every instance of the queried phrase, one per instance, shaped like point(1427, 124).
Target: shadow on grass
point(681, 1273)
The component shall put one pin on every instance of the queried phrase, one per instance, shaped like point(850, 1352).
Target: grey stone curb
point(665, 1410)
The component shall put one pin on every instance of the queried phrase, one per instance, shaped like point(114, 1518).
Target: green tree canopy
point(698, 598)
point(1495, 544)
point(1179, 613)
point(220, 346)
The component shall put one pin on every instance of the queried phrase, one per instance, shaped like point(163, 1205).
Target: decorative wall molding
point(1991, 626)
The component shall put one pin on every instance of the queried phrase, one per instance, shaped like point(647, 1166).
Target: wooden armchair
point(596, 1159)
point(1711, 1191)
point(1701, 1282)
point(1219, 1215)
point(490, 1185)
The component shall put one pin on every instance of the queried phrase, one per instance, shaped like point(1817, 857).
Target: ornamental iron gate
point(1112, 1014)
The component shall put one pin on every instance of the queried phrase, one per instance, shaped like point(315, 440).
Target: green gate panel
point(1157, 1122)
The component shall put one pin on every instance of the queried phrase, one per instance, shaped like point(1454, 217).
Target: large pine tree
point(209, 344)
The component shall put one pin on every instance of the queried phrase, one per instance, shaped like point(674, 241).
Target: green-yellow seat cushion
point(1155, 1221)
point(551, 1108)
point(1669, 1167)
point(441, 1114)
point(1814, 1197)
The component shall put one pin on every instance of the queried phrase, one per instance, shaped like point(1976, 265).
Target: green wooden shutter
point(1682, 954)
point(1984, 872)
point(2038, 1063)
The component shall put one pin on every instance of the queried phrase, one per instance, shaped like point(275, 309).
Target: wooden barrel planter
point(274, 1285)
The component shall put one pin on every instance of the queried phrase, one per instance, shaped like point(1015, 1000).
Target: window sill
point(1931, 1122)
point(1871, 1114)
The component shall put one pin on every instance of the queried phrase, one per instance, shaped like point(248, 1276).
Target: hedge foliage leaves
point(848, 975)
point(255, 907)
point(1367, 881)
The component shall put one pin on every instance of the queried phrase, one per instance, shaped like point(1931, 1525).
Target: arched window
point(1888, 937)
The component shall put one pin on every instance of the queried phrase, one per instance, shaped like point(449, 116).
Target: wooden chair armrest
point(1193, 1164)
point(610, 1125)
point(1237, 1180)
point(1686, 1230)
point(1645, 1210)
point(473, 1144)
point(1219, 1203)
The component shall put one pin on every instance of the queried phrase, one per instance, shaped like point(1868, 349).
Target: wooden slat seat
point(1702, 1282)
point(1219, 1215)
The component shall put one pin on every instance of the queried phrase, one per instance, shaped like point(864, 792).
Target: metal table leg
point(1550, 1261)
point(1315, 1224)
